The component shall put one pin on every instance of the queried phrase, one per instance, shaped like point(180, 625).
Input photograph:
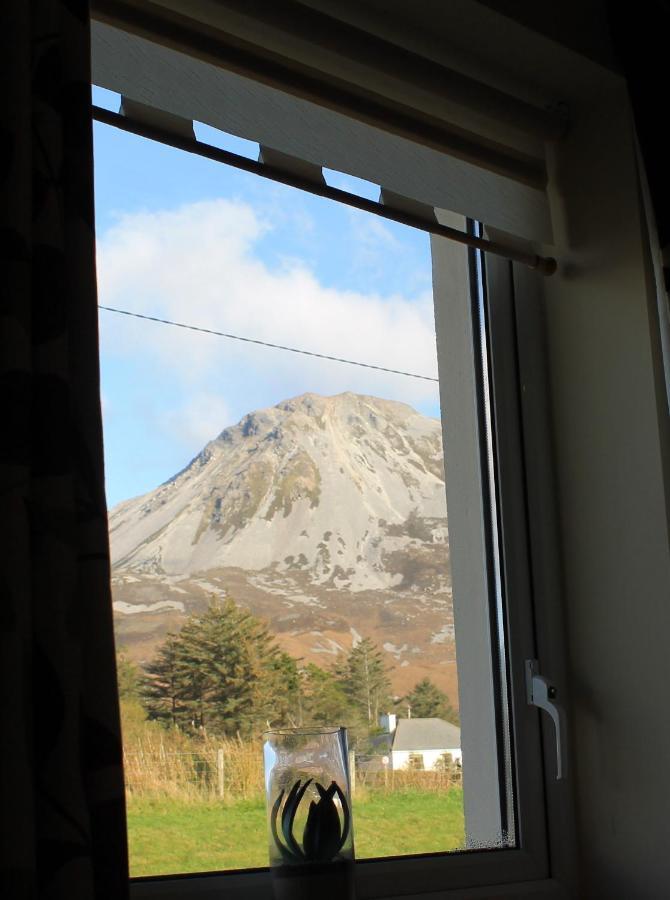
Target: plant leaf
point(329, 837)
point(288, 817)
point(298, 799)
point(346, 814)
point(310, 834)
point(273, 825)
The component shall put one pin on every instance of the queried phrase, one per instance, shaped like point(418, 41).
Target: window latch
point(543, 693)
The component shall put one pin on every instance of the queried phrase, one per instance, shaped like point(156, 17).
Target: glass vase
point(310, 827)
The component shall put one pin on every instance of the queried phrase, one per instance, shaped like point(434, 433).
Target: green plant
point(323, 835)
point(222, 675)
point(426, 700)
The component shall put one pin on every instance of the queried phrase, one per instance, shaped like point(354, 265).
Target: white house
point(422, 743)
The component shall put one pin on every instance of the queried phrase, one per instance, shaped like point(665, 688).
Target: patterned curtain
point(63, 829)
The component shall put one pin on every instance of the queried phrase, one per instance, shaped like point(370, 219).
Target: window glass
point(278, 520)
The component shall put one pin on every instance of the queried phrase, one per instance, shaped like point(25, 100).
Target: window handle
point(543, 693)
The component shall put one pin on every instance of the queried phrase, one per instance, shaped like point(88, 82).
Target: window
point(336, 465)
point(479, 313)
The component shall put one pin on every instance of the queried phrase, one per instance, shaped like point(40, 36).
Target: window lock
point(543, 693)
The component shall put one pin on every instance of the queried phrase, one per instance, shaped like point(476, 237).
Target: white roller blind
point(184, 86)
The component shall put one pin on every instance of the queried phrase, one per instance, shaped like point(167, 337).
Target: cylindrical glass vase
point(310, 827)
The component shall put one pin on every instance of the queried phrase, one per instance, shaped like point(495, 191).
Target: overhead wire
point(249, 340)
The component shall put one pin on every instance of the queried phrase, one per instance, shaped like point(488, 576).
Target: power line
point(248, 340)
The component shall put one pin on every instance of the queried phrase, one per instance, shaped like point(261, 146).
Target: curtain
point(61, 791)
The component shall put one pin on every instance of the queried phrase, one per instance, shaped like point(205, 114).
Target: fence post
point(352, 770)
point(220, 771)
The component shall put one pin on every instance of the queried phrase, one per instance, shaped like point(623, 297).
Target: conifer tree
point(281, 698)
point(215, 664)
point(426, 700)
point(222, 674)
point(363, 675)
point(128, 677)
point(325, 701)
point(159, 690)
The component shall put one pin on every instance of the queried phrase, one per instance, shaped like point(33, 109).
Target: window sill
point(256, 885)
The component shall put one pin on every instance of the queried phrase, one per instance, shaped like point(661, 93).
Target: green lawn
point(169, 836)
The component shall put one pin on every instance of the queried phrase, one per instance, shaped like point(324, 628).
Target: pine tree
point(426, 700)
point(325, 701)
point(222, 674)
point(160, 688)
point(216, 668)
point(128, 676)
point(281, 682)
point(364, 677)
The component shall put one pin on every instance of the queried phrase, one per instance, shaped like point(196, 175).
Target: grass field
point(169, 835)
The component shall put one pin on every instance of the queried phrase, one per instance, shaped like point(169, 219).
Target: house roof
point(426, 734)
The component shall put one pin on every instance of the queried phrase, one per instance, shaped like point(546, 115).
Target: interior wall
point(614, 532)
point(577, 24)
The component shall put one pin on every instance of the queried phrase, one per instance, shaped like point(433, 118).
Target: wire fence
point(417, 772)
point(232, 770)
point(224, 769)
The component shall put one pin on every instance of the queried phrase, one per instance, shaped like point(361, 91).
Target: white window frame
point(505, 872)
point(543, 864)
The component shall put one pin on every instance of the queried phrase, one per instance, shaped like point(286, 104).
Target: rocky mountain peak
point(295, 511)
point(271, 486)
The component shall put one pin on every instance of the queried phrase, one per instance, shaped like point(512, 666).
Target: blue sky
point(184, 238)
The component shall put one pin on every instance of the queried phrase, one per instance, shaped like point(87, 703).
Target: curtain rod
point(544, 265)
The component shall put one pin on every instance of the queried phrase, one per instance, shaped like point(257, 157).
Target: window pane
point(278, 519)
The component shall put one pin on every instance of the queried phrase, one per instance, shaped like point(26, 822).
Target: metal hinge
point(542, 693)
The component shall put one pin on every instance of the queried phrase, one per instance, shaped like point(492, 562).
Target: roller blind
point(185, 85)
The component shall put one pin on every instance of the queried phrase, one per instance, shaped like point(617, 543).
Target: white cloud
point(198, 421)
point(200, 264)
point(374, 243)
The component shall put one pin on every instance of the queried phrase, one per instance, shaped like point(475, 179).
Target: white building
point(422, 743)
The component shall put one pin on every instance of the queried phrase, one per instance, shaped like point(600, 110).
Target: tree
point(160, 689)
point(324, 700)
point(215, 670)
point(363, 675)
point(280, 691)
point(222, 673)
point(426, 700)
point(128, 676)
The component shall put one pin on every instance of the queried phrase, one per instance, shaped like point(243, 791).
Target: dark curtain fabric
point(61, 791)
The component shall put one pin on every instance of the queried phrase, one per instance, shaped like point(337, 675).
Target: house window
point(160, 561)
point(415, 762)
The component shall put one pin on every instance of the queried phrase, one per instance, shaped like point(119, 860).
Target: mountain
point(326, 516)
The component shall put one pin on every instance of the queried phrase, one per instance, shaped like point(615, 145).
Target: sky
point(194, 241)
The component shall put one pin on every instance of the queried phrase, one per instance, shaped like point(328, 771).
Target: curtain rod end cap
point(547, 265)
